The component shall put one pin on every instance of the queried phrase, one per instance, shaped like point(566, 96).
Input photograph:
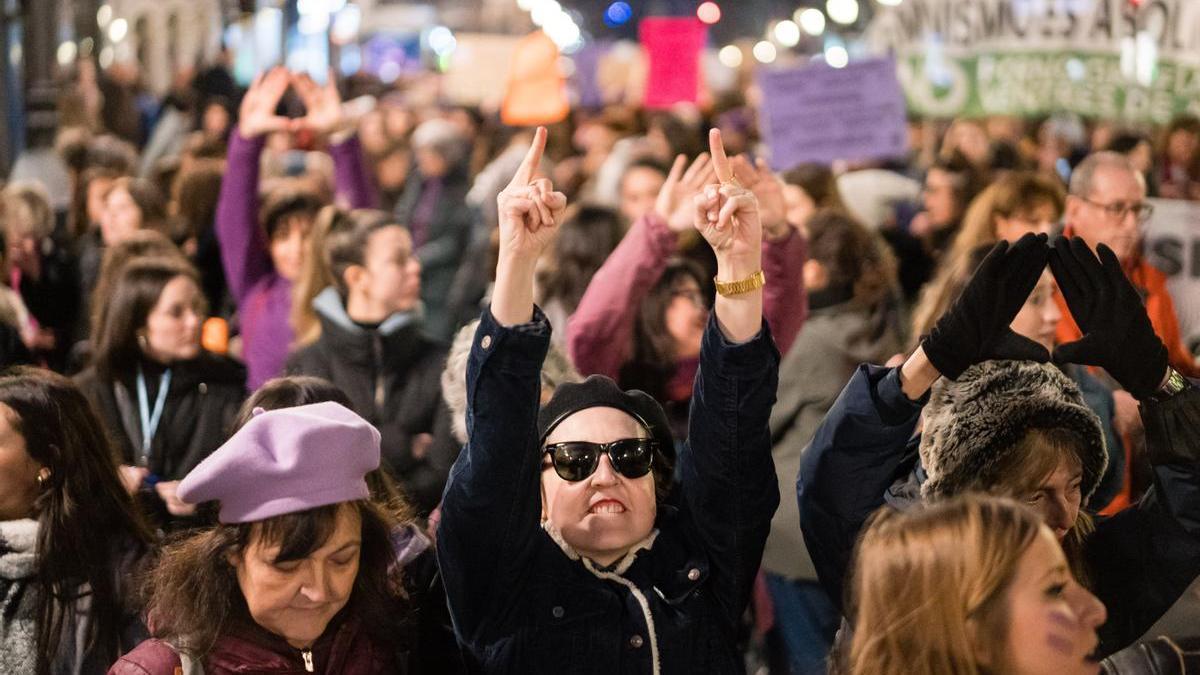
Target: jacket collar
point(400, 334)
point(332, 310)
point(619, 567)
point(18, 548)
point(247, 643)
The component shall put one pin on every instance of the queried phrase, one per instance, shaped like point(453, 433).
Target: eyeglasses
point(576, 460)
point(1118, 210)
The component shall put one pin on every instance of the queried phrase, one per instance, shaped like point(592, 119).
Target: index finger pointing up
point(533, 158)
point(720, 162)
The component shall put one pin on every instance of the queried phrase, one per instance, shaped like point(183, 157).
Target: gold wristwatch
point(1174, 384)
point(751, 283)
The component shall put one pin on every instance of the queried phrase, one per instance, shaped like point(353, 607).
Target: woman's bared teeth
point(607, 507)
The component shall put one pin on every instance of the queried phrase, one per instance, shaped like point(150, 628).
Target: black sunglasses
point(576, 460)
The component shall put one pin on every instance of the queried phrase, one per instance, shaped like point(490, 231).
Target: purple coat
point(264, 299)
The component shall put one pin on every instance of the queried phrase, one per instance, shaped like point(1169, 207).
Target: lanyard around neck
point(150, 419)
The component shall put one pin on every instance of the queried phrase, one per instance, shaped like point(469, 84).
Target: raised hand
point(323, 104)
point(1117, 333)
point(257, 116)
point(758, 178)
point(530, 212)
point(529, 209)
point(726, 214)
point(674, 199)
point(976, 327)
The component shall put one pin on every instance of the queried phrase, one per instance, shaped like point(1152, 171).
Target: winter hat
point(287, 460)
point(972, 423)
point(598, 391)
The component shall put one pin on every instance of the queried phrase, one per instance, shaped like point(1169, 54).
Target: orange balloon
point(214, 336)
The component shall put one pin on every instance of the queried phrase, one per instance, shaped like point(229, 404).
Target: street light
point(730, 56)
point(837, 56)
point(842, 11)
point(811, 20)
point(709, 12)
point(765, 52)
point(787, 33)
point(117, 30)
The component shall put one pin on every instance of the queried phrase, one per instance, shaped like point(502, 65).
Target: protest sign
point(817, 113)
point(1172, 244)
point(1105, 58)
point(479, 67)
point(586, 77)
point(537, 91)
point(673, 46)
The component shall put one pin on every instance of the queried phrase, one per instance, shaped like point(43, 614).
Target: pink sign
point(673, 46)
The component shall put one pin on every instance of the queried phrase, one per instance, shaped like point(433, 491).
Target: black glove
point(975, 328)
point(1117, 334)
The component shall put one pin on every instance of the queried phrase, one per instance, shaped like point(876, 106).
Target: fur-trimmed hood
point(972, 422)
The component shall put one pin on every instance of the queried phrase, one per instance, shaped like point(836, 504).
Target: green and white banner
point(1115, 59)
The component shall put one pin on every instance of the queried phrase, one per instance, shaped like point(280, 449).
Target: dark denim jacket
point(521, 605)
point(864, 456)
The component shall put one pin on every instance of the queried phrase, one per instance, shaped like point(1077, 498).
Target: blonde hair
point(937, 295)
point(929, 587)
point(557, 370)
point(26, 210)
point(314, 278)
point(1014, 194)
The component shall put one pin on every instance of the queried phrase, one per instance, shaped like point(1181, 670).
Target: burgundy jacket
point(600, 333)
point(344, 650)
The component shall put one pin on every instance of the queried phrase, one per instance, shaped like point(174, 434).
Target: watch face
point(1175, 383)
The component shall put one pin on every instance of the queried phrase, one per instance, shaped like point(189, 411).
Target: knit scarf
point(18, 597)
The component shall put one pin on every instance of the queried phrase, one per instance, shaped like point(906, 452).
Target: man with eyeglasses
point(1107, 205)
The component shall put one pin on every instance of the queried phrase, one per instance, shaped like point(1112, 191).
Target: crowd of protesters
point(336, 378)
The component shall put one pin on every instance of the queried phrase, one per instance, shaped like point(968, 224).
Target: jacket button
point(558, 612)
point(486, 342)
point(694, 574)
point(636, 641)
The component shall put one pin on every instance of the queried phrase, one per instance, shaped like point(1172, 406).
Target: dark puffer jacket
point(201, 405)
point(392, 375)
point(864, 456)
point(523, 602)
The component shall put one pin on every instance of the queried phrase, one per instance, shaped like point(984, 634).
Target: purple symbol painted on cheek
point(1057, 641)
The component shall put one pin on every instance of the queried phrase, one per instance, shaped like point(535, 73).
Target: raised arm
point(859, 449)
point(600, 333)
point(244, 252)
point(491, 504)
point(727, 474)
point(785, 303)
point(856, 454)
point(1119, 337)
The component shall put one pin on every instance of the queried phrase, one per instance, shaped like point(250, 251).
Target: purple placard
point(817, 113)
point(587, 74)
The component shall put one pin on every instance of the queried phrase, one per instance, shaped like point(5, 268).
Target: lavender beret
point(285, 461)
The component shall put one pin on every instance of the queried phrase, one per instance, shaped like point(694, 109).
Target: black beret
point(599, 391)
